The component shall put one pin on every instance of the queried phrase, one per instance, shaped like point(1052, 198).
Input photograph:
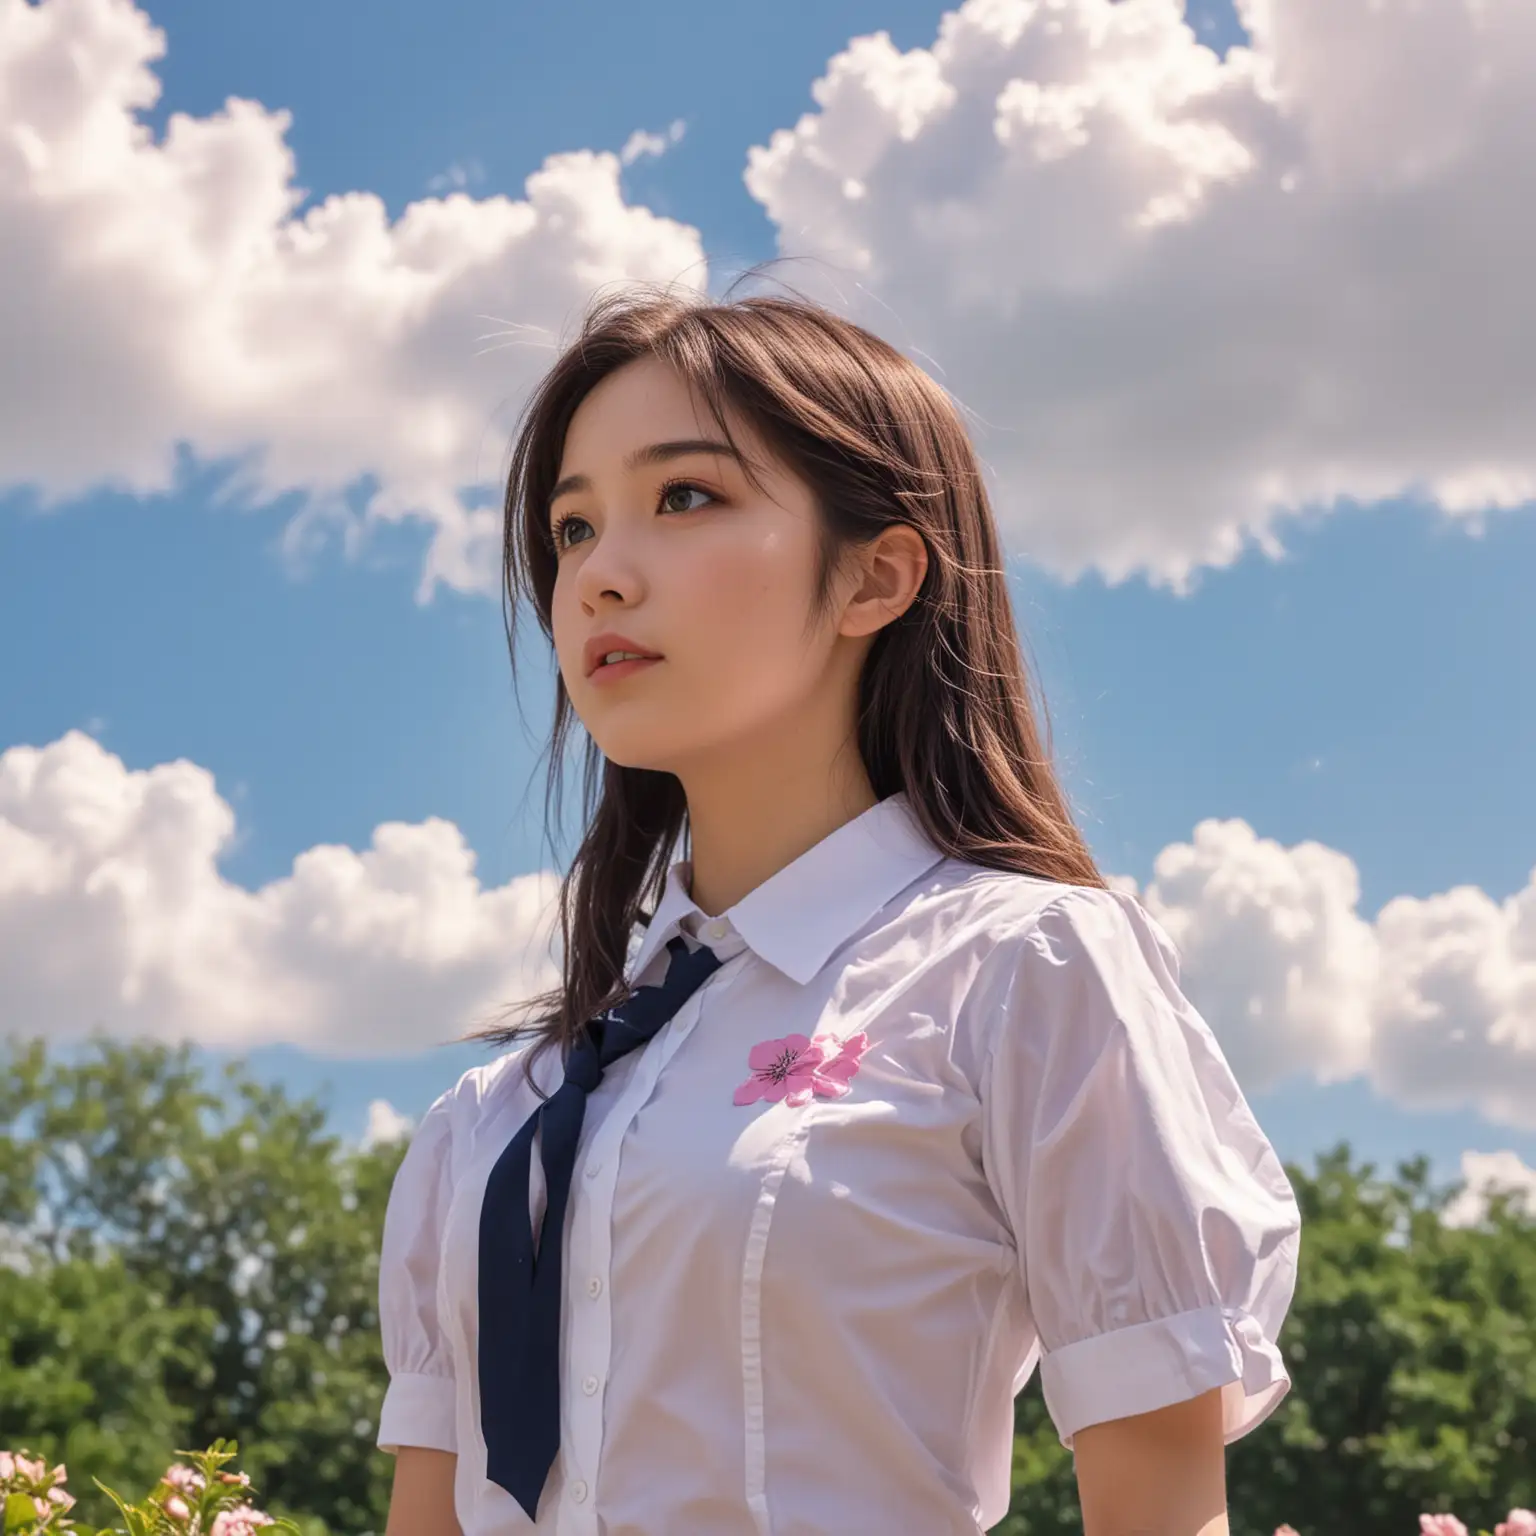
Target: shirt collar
point(796, 919)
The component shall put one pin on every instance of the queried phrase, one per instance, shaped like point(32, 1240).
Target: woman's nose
point(611, 572)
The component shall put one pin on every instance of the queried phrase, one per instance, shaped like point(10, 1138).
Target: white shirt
point(811, 1318)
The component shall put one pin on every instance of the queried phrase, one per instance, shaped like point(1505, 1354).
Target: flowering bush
point(200, 1499)
point(1521, 1522)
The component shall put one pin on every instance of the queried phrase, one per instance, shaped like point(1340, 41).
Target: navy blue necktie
point(520, 1290)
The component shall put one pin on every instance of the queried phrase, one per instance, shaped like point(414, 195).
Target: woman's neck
point(747, 824)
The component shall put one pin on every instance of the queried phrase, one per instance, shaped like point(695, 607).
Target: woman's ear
point(890, 570)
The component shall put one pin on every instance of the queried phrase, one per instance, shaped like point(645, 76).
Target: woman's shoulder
point(1027, 947)
point(1010, 905)
point(483, 1090)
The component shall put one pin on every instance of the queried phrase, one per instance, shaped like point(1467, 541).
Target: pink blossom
point(59, 1474)
point(7, 1466)
point(1521, 1522)
point(794, 1067)
point(62, 1497)
point(1285, 1530)
point(1441, 1525)
point(31, 1468)
point(44, 1508)
point(176, 1507)
point(242, 1520)
point(188, 1479)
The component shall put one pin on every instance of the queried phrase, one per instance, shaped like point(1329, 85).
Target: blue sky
point(1368, 690)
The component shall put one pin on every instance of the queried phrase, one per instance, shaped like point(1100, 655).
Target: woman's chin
point(629, 750)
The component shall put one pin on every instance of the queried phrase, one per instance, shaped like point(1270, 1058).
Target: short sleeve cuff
point(1170, 1360)
point(418, 1410)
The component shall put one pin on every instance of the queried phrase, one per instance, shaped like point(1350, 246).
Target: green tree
point(215, 1231)
point(84, 1353)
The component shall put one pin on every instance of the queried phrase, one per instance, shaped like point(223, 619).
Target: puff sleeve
point(1156, 1228)
point(419, 1403)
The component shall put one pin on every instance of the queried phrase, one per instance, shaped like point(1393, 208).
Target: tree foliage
point(189, 1259)
point(203, 1263)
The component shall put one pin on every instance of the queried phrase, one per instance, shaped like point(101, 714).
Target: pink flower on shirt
point(794, 1068)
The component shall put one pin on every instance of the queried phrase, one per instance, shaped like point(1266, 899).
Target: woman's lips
point(617, 671)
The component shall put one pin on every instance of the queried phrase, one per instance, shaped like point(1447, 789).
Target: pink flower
point(7, 1466)
point(1285, 1530)
point(1521, 1522)
point(188, 1479)
point(31, 1468)
point(242, 1520)
point(176, 1507)
point(62, 1498)
point(794, 1068)
point(1441, 1525)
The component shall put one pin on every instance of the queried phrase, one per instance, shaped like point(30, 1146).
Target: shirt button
point(717, 929)
point(579, 1492)
point(589, 1386)
point(594, 1286)
point(591, 1171)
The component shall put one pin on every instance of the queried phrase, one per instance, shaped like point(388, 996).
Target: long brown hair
point(944, 700)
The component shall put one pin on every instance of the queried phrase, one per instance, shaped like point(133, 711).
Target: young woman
point(875, 1098)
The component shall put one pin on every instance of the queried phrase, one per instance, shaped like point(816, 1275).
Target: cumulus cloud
point(1184, 293)
point(1433, 1000)
point(1185, 296)
point(1484, 1174)
point(386, 1125)
point(114, 916)
point(168, 293)
point(651, 145)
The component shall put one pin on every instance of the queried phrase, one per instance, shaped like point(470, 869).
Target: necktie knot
point(584, 1069)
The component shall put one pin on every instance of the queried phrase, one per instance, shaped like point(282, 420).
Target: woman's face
point(665, 547)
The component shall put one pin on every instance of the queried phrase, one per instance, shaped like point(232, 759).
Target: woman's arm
point(421, 1501)
point(1162, 1473)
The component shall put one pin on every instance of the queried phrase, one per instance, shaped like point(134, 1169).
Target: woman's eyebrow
point(653, 453)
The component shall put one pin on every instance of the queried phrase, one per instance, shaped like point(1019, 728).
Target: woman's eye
point(674, 498)
point(564, 527)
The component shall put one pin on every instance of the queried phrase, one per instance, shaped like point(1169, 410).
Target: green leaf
point(137, 1524)
point(20, 1513)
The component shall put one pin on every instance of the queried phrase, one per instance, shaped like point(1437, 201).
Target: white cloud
point(1484, 1173)
point(1433, 1000)
point(114, 915)
point(168, 292)
point(458, 176)
point(386, 1125)
point(640, 142)
point(1274, 950)
point(1182, 292)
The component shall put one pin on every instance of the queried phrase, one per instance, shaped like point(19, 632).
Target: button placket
point(590, 1321)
